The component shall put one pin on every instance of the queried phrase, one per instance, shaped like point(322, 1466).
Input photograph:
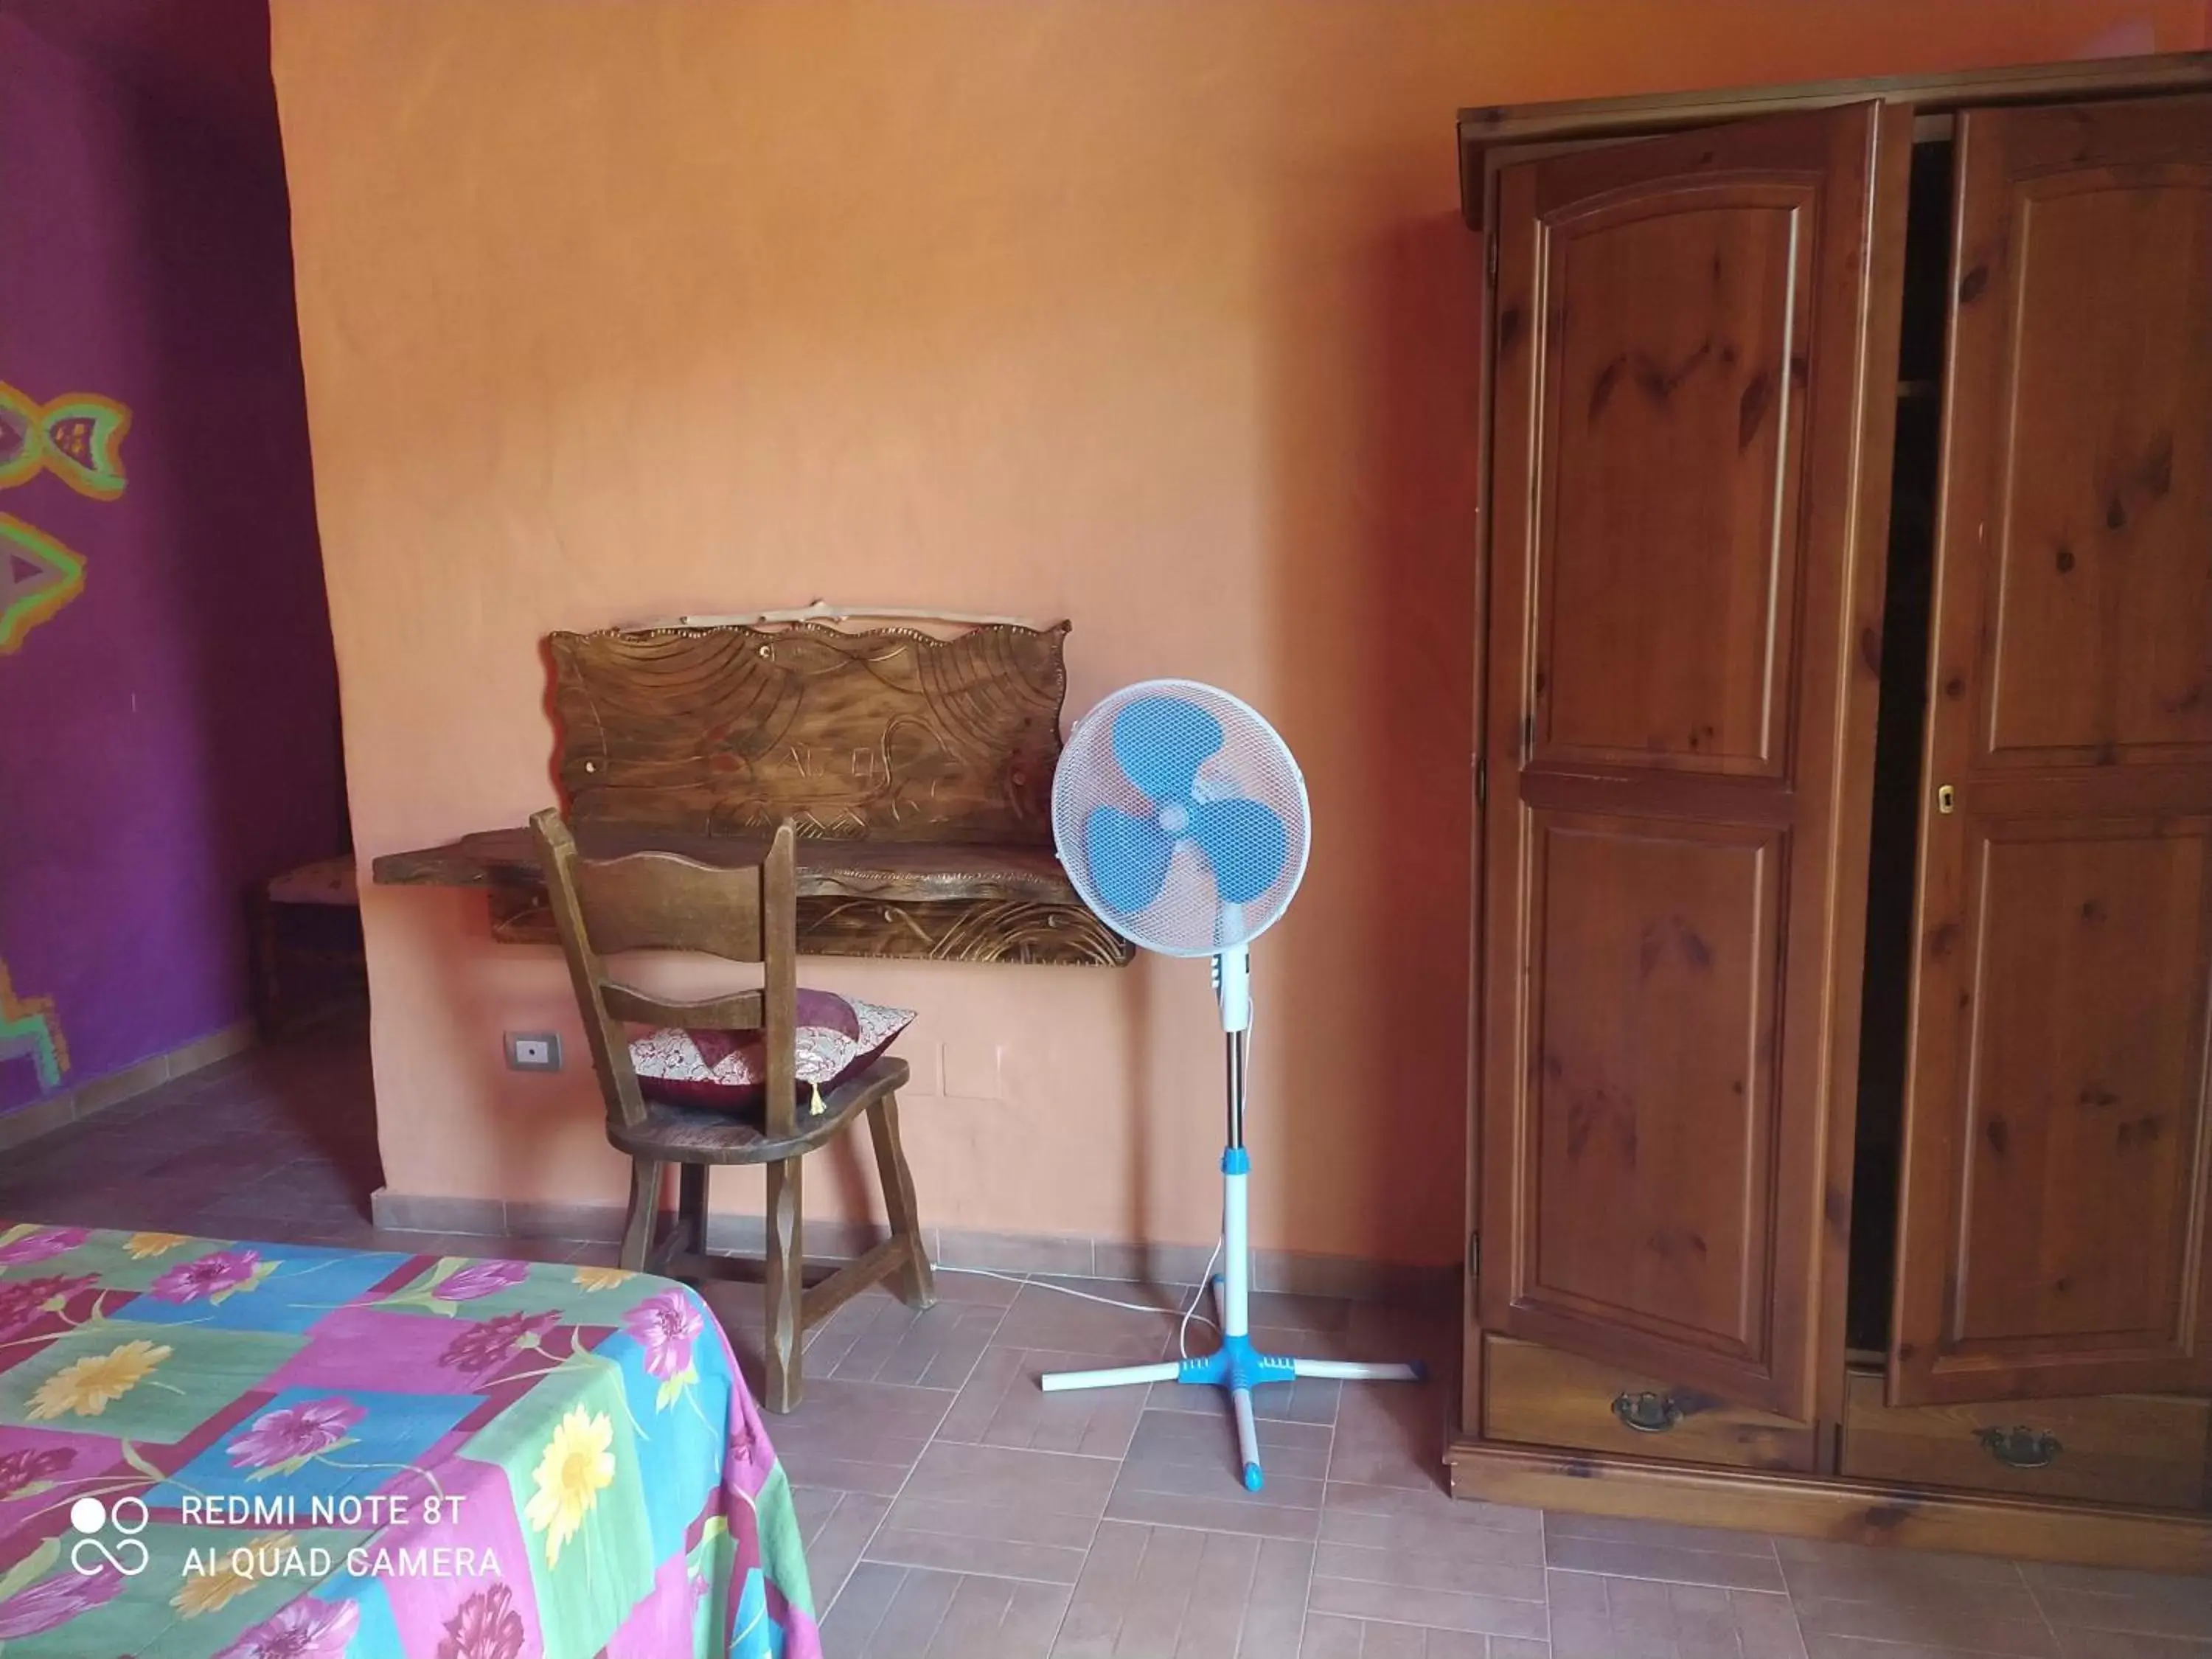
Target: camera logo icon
point(125, 1519)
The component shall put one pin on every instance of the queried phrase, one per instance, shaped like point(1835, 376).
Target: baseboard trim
point(1846, 1511)
point(1075, 1255)
point(43, 1117)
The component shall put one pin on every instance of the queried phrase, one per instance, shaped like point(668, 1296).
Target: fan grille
point(1189, 916)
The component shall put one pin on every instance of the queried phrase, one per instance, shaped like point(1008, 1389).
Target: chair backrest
point(663, 900)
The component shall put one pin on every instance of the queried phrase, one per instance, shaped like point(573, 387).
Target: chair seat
point(326, 881)
point(691, 1135)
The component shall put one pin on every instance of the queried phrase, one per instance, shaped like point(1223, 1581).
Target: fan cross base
point(1235, 1365)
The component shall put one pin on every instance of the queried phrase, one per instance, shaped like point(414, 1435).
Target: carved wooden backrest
point(890, 734)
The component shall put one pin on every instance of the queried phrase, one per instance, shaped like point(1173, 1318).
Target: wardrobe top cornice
point(1490, 127)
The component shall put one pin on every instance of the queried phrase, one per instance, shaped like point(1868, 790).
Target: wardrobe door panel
point(2054, 1205)
point(1685, 587)
point(1654, 968)
point(1690, 305)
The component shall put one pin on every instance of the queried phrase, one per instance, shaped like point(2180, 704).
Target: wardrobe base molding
point(1843, 1511)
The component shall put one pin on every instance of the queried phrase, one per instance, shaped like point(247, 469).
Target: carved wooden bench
point(918, 770)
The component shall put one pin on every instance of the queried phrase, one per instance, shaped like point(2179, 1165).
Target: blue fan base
point(1237, 1364)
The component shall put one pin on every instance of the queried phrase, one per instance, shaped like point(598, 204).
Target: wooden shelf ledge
point(933, 901)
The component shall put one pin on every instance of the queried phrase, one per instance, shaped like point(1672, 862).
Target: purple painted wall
point(171, 734)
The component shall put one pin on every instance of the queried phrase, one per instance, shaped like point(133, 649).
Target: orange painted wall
point(1154, 313)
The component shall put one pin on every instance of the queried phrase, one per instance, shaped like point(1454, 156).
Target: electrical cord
point(1086, 1296)
point(1197, 1295)
point(1183, 1331)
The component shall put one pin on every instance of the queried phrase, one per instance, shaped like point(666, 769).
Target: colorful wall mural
point(79, 439)
point(169, 704)
point(28, 1026)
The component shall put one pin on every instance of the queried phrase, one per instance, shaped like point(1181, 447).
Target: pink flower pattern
point(195, 1281)
point(478, 1279)
point(21, 1299)
point(18, 1469)
point(305, 1629)
point(489, 1342)
point(487, 1620)
point(486, 1626)
point(41, 1246)
point(666, 1325)
point(54, 1600)
point(291, 1433)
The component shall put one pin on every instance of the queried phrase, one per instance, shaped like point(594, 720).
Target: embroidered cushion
point(727, 1070)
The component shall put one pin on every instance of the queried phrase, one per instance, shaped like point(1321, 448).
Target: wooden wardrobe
point(1839, 1155)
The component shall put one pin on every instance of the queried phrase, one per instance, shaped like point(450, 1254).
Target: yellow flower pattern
point(87, 1387)
point(141, 1245)
point(578, 1464)
point(602, 1278)
point(209, 1591)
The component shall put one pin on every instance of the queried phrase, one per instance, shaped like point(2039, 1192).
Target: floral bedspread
point(220, 1450)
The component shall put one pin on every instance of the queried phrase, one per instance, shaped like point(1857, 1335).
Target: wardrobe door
point(1689, 479)
point(2054, 1203)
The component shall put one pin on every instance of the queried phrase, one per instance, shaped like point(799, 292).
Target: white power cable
point(1197, 1295)
point(1080, 1295)
point(1183, 1331)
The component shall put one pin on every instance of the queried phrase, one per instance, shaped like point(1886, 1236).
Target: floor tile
point(1615, 1529)
point(835, 1527)
point(1851, 1572)
point(1649, 1549)
point(1183, 1470)
point(857, 1437)
point(912, 1613)
point(1390, 1434)
point(1430, 1564)
point(1927, 1624)
point(1435, 1580)
point(1175, 1594)
point(1187, 1439)
point(2125, 1644)
point(1415, 1519)
point(2138, 1603)
point(998, 1510)
point(879, 1338)
point(1307, 1400)
point(1594, 1617)
point(1001, 1405)
point(1044, 1314)
point(1436, 1609)
point(1331, 1636)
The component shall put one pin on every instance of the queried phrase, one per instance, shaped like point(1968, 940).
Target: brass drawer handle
point(1646, 1414)
point(2021, 1448)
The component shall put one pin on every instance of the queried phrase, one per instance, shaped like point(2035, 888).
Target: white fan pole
point(1235, 1365)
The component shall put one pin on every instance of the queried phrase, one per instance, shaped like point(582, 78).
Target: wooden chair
point(661, 901)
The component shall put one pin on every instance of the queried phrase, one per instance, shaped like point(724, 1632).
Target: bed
point(214, 1449)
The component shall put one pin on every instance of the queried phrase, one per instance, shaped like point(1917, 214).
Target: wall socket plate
point(533, 1051)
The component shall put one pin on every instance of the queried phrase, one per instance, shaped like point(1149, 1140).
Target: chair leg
point(268, 1004)
point(920, 1281)
point(691, 1207)
point(787, 1287)
point(644, 1206)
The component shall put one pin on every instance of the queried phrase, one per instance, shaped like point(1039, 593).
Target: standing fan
point(1182, 820)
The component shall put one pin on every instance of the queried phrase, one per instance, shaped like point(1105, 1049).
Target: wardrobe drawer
point(1540, 1396)
point(2113, 1449)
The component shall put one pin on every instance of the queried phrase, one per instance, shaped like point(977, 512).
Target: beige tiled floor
point(951, 1509)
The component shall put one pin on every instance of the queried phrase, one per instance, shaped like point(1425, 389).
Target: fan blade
point(1246, 842)
point(1160, 742)
point(1127, 858)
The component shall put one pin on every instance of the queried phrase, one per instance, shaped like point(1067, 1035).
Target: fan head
point(1180, 818)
